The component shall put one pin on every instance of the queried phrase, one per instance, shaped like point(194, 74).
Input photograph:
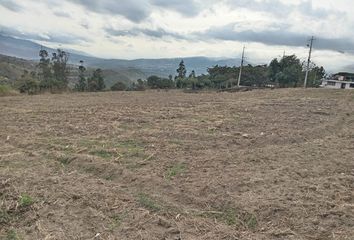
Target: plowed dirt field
point(268, 164)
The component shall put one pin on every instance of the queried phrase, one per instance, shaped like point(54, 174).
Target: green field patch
point(175, 170)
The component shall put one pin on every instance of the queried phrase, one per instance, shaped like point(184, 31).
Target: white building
point(339, 81)
point(337, 84)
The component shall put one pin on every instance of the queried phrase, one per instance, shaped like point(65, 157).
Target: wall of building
point(338, 85)
point(350, 86)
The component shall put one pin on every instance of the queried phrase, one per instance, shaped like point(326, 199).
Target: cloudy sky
point(132, 29)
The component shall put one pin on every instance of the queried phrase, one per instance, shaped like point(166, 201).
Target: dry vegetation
point(6, 90)
point(169, 165)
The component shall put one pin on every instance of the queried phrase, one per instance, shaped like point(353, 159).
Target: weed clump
point(25, 200)
point(64, 160)
point(175, 170)
point(12, 235)
point(4, 217)
point(116, 220)
point(102, 153)
point(234, 217)
point(148, 203)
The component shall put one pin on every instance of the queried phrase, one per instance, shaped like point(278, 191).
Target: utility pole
point(241, 66)
point(308, 61)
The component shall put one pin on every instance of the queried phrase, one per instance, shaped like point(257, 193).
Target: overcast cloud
point(175, 28)
point(55, 37)
point(284, 8)
point(10, 5)
point(276, 37)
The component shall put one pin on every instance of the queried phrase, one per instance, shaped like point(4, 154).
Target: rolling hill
point(11, 68)
point(132, 69)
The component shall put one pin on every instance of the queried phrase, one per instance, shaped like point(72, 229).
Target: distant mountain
point(349, 68)
point(30, 50)
point(165, 66)
point(19, 48)
point(132, 69)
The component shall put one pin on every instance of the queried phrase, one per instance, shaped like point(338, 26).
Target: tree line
point(286, 72)
point(53, 73)
point(94, 83)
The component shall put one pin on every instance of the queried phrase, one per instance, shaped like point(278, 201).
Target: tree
point(290, 76)
point(28, 83)
point(45, 74)
point(288, 72)
point(119, 86)
point(255, 75)
point(203, 81)
point(192, 80)
point(153, 82)
point(181, 70)
point(156, 82)
point(96, 81)
point(221, 75)
point(81, 86)
point(181, 75)
point(316, 74)
point(273, 69)
point(140, 86)
point(192, 75)
point(60, 71)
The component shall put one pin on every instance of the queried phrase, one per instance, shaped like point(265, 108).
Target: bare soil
point(267, 164)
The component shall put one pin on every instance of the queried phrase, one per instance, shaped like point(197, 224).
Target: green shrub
point(156, 82)
point(6, 90)
point(25, 200)
point(119, 86)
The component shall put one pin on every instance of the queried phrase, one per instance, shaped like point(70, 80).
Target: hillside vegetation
point(12, 68)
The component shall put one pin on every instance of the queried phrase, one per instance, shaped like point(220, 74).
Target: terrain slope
point(270, 164)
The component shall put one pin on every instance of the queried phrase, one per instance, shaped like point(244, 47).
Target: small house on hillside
point(341, 80)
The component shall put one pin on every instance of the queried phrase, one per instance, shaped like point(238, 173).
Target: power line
point(309, 61)
point(241, 66)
